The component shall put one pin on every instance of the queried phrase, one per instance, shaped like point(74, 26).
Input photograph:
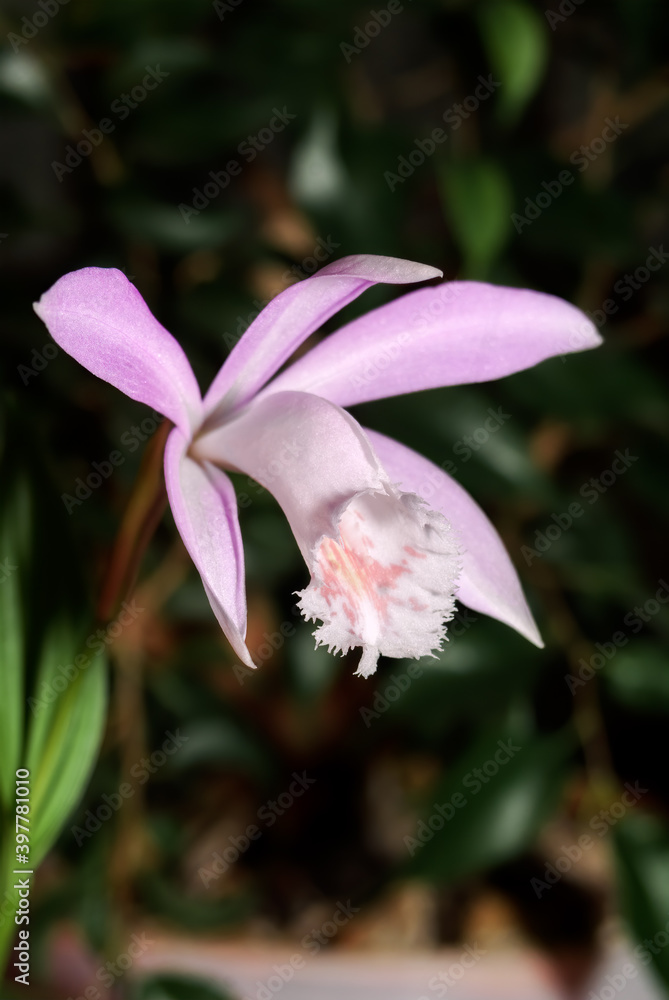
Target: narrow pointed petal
point(450, 334)
point(383, 565)
point(488, 583)
point(99, 317)
point(293, 315)
point(204, 506)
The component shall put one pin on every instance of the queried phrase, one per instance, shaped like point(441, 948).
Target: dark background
point(491, 203)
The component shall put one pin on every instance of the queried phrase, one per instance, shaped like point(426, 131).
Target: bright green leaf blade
point(43, 612)
point(13, 516)
point(642, 862)
point(61, 707)
point(493, 801)
point(60, 643)
point(61, 772)
point(516, 39)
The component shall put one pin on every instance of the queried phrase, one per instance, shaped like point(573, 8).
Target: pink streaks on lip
point(410, 550)
point(350, 572)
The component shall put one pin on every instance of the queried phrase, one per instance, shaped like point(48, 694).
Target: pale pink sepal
point(99, 317)
point(449, 334)
point(204, 507)
point(488, 582)
point(293, 315)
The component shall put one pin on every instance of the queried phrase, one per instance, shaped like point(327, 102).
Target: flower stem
point(142, 516)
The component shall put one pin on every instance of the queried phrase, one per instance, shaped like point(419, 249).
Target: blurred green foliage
point(532, 186)
point(54, 686)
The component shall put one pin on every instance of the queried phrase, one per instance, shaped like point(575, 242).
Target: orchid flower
point(385, 565)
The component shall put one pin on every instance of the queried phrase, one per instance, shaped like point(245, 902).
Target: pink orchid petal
point(489, 583)
point(451, 334)
point(204, 507)
point(293, 315)
point(383, 565)
point(99, 317)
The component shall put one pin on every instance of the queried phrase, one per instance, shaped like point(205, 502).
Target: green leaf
point(493, 802)
point(52, 712)
point(478, 202)
point(638, 676)
point(468, 681)
point(61, 757)
point(173, 987)
point(14, 517)
point(142, 216)
point(312, 669)
point(163, 897)
point(516, 39)
point(223, 741)
point(642, 863)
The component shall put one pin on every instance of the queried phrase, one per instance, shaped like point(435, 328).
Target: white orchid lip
point(387, 582)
